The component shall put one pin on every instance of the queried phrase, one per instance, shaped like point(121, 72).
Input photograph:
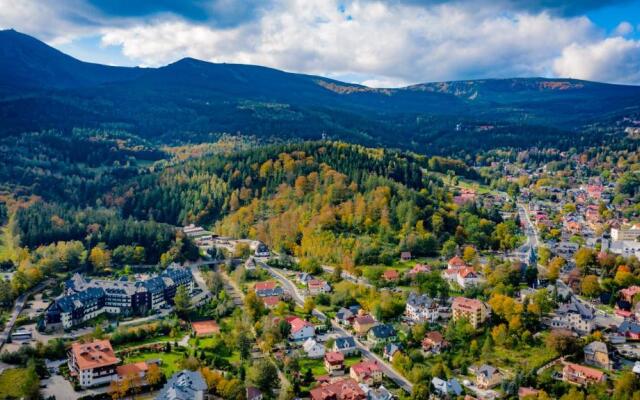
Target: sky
point(379, 43)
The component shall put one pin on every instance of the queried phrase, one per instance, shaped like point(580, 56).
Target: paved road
point(347, 276)
point(299, 299)
point(17, 309)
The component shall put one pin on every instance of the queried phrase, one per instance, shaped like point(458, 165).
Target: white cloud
point(612, 60)
point(383, 43)
point(388, 42)
point(624, 28)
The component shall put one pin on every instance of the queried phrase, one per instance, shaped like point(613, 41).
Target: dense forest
point(330, 201)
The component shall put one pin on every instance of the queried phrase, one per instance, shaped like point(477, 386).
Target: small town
point(319, 200)
point(554, 305)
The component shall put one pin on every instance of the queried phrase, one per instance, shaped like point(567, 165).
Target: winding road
point(298, 297)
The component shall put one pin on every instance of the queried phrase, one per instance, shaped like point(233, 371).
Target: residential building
point(421, 308)
point(362, 324)
point(405, 256)
point(368, 372)
point(268, 289)
point(391, 275)
point(383, 333)
point(301, 329)
point(184, 385)
point(253, 393)
point(474, 311)
point(488, 377)
point(93, 363)
point(580, 375)
point(629, 329)
point(626, 232)
point(344, 316)
point(85, 299)
point(313, 349)
point(138, 370)
point(346, 345)
point(344, 389)
point(390, 350)
point(574, 316)
point(456, 263)
point(449, 388)
point(596, 354)
point(418, 269)
point(379, 393)
point(433, 343)
point(334, 363)
point(463, 276)
point(317, 286)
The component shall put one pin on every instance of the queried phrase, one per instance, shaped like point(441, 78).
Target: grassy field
point(11, 383)
point(526, 358)
point(169, 360)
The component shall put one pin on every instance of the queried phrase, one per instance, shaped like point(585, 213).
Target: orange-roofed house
point(391, 275)
point(270, 301)
point(334, 362)
point(418, 269)
point(344, 389)
point(205, 328)
point(474, 311)
point(456, 263)
point(138, 370)
point(367, 372)
point(577, 374)
point(93, 363)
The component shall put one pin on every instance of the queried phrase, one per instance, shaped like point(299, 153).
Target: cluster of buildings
point(85, 299)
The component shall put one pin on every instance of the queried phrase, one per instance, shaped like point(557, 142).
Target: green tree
point(182, 302)
point(590, 286)
point(264, 375)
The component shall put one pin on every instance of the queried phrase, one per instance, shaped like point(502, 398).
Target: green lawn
point(11, 383)
point(169, 360)
point(203, 343)
point(8, 244)
point(317, 366)
point(155, 339)
point(527, 358)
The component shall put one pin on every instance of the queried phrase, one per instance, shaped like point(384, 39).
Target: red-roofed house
point(456, 262)
point(391, 275)
point(269, 285)
point(93, 363)
point(270, 301)
point(345, 389)
point(138, 370)
point(367, 372)
point(433, 342)
point(580, 375)
point(301, 329)
point(317, 286)
point(418, 269)
point(205, 328)
point(334, 362)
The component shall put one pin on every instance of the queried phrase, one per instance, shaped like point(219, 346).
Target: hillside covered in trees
point(330, 201)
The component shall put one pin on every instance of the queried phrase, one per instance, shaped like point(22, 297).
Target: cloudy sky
point(374, 42)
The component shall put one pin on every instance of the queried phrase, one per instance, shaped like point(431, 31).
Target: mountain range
point(42, 88)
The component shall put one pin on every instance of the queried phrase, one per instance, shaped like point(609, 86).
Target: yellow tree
point(154, 374)
point(100, 258)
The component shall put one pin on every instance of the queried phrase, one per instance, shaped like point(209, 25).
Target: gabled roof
point(299, 324)
point(346, 342)
point(183, 385)
point(383, 331)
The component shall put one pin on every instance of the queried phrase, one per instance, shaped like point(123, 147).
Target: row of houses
point(85, 299)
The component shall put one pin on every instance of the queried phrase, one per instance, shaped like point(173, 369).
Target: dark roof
point(345, 342)
point(383, 331)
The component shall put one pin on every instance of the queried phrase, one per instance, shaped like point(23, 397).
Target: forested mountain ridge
point(188, 100)
point(328, 201)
